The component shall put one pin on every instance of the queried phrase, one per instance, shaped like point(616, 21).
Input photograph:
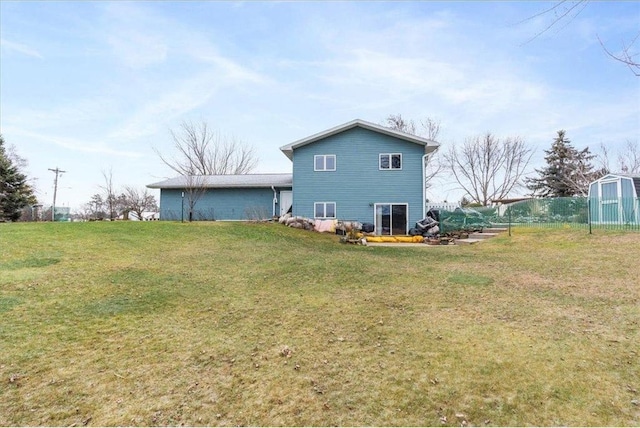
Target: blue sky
point(95, 86)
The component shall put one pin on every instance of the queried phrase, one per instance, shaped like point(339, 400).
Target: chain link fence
point(582, 212)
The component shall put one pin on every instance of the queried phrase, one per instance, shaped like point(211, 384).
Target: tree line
point(112, 203)
point(488, 168)
point(485, 167)
point(17, 196)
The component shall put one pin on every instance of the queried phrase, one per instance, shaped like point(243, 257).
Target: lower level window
point(325, 209)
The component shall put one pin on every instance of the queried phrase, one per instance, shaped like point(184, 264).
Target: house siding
point(220, 204)
point(358, 183)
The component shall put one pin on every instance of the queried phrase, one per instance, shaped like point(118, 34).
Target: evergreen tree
point(568, 172)
point(15, 192)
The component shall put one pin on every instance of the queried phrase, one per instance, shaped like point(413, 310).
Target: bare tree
point(397, 123)
point(628, 159)
point(114, 204)
point(139, 201)
point(82, 213)
point(201, 151)
point(563, 12)
point(603, 158)
point(194, 189)
point(582, 176)
point(430, 130)
point(488, 168)
point(110, 199)
point(433, 166)
point(626, 56)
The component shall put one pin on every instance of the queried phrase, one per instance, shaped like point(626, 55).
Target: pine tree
point(15, 192)
point(568, 172)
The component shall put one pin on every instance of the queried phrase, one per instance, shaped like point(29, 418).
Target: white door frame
point(286, 201)
point(375, 220)
point(604, 202)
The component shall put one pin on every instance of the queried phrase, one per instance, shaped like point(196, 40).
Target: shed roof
point(429, 145)
point(635, 178)
point(616, 174)
point(226, 181)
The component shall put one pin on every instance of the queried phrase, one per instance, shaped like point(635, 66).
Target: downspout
point(425, 160)
point(425, 157)
point(275, 200)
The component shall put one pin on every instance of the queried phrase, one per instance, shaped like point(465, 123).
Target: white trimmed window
point(390, 161)
point(324, 163)
point(324, 209)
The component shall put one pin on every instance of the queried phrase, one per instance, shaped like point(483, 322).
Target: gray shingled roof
point(226, 181)
point(429, 145)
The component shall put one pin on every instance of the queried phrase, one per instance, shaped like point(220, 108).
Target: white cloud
point(135, 34)
point(138, 50)
point(178, 98)
point(74, 144)
point(181, 98)
point(230, 70)
point(20, 48)
point(138, 37)
point(73, 115)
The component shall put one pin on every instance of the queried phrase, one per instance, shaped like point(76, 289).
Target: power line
point(55, 191)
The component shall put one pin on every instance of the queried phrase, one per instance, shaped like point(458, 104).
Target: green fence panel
point(462, 219)
point(610, 213)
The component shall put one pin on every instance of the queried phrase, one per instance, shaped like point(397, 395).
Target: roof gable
point(621, 175)
point(428, 144)
point(635, 179)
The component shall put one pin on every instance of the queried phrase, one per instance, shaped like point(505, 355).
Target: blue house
point(361, 171)
point(224, 197)
point(355, 171)
point(615, 199)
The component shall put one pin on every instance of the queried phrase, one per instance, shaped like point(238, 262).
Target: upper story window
point(390, 160)
point(324, 163)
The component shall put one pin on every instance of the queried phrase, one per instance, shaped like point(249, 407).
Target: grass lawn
point(232, 324)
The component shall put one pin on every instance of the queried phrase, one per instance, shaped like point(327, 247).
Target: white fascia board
point(429, 145)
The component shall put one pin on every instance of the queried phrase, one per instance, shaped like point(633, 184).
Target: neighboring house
point(225, 197)
point(146, 216)
point(615, 198)
point(356, 171)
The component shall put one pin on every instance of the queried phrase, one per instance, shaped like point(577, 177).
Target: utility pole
point(55, 191)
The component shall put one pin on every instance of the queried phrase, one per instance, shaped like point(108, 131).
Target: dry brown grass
point(169, 324)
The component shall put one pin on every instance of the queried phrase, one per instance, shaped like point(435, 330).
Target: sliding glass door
point(391, 219)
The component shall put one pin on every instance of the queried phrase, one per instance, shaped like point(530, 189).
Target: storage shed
point(615, 199)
